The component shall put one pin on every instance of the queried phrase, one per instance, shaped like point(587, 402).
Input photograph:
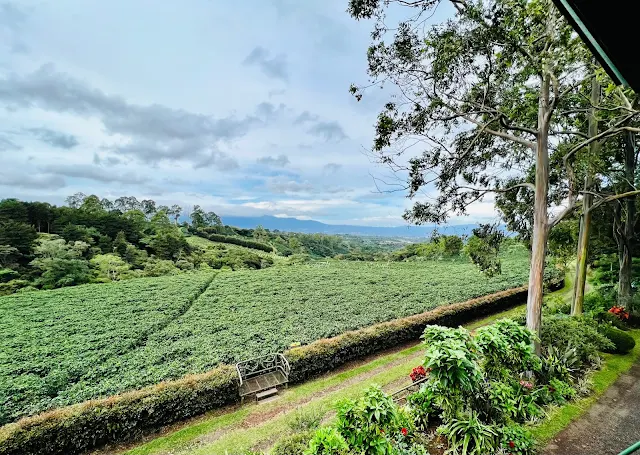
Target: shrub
point(423, 405)
point(622, 341)
point(327, 441)
point(560, 391)
point(595, 302)
point(611, 319)
point(559, 363)
point(516, 440)
point(580, 333)
point(620, 312)
point(506, 347)
point(370, 421)
point(305, 420)
point(295, 444)
point(469, 436)
point(236, 241)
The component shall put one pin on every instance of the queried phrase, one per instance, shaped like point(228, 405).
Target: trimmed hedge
point(81, 427)
point(622, 341)
point(235, 241)
point(78, 428)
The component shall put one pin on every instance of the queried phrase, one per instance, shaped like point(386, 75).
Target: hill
point(316, 227)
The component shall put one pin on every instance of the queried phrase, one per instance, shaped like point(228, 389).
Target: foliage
point(559, 363)
point(506, 346)
point(423, 405)
point(561, 391)
point(235, 241)
point(580, 333)
point(483, 248)
point(293, 444)
point(622, 341)
point(110, 267)
point(62, 337)
point(76, 429)
point(620, 312)
point(327, 441)
point(468, 435)
point(516, 440)
point(305, 420)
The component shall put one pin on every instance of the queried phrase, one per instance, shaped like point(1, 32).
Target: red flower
point(620, 312)
point(404, 432)
point(418, 373)
point(511, 444)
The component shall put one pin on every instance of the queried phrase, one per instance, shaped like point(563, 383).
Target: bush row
point(81, 427)
point(78, 428)
point(235, 241)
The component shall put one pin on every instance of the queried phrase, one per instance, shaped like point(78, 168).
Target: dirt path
point(611, 425)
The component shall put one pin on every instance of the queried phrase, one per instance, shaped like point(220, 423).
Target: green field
point(72, 344)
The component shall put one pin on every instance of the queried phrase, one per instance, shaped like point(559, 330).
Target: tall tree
point(480, 94)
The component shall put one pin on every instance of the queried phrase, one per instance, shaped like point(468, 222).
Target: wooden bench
point(263, 375)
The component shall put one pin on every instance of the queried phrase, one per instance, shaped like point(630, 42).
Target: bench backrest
point(262, 365)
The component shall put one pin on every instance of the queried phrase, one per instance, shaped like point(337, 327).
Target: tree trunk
point(585, 222)
point(625, 226)
point(540, 217)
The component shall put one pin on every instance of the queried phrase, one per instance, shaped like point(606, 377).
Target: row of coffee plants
point(53, 341)
point(480, 393)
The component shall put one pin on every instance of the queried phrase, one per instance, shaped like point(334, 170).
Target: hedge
point(235, 241)
point(87, 425)
point(78, 428)
point(327, 354)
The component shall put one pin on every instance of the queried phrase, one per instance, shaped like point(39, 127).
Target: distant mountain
point(316, 227)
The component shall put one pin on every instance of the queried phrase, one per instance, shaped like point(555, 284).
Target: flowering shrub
point(418, 373)
point(619, 312)
point(515, 440)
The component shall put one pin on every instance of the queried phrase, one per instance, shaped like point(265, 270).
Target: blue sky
point(240, 107)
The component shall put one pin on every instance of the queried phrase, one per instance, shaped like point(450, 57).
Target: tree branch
point(613, 198)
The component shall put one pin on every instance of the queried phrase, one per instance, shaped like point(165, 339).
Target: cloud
point(151, 133)
point(331, 168)
point(8, 144)
point(305, 117)
point(88, 171)
point(219, 160)
point(329, 131)
point(12, 20)
point(54, 138)
point(108, 160)
point(289, 186)
point(275, 67)
point(39, 182)
point(279, 161)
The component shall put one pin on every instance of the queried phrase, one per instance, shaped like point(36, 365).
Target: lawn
point(91, 341)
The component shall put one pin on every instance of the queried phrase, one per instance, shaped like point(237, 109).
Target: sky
point(242, 108)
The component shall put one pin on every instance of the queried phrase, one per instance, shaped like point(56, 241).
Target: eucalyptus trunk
point(540, 217)
point(625, 215)
point(580, 283)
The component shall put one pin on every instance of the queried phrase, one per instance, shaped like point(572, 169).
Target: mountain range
point(316, 227)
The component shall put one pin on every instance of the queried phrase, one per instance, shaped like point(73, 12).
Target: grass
point(613, 366)
point(236, 438)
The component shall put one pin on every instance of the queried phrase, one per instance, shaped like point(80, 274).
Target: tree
point(18, 235)
point(175, 211)
point(40, 215)
point(120, 244)
point(92, 204)
point(212, 219)
point(169, 243)
point(110, 267)
point(75, 200)
point(198, 215)
point(484, 94)
point(13, 209)
point(60, 263)
point(8, 255)
point(483, 247)
point(148, 207)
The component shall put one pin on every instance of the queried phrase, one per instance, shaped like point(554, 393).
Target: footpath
point(609, 426)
